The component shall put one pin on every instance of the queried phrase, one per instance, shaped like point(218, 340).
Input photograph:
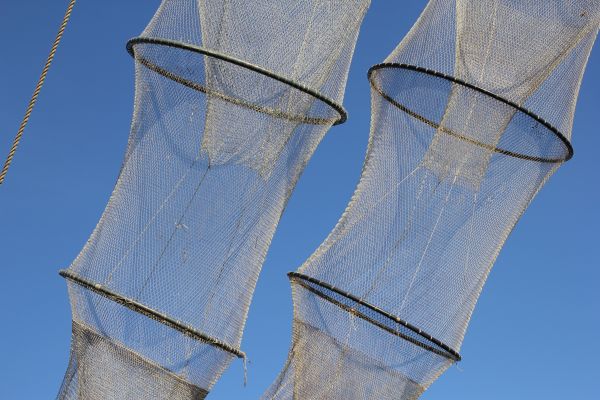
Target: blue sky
point(533, 332)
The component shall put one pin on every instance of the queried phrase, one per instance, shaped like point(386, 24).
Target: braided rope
point(38, 88)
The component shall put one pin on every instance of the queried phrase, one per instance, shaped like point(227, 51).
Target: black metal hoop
point(343, 116)
point(457, 81)
point(435, 346)
point(150, 313)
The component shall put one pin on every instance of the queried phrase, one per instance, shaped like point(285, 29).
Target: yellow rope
point(36, 92)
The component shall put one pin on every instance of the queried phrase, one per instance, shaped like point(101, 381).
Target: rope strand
point(36, 92)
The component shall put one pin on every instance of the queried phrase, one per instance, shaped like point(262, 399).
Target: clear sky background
point(535, 331)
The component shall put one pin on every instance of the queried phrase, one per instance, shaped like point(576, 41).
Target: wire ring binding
point(457, 81)
point(438, 346)
point(343, 115)
point(150, 313)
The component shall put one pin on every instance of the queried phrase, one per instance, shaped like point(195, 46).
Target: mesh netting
point(471, 114)
point(232, 98)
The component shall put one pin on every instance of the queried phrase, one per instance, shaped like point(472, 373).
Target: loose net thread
point(232, 98)
point(466, 128)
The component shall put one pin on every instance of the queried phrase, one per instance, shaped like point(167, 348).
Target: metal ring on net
point(435, 125)
point(342, 114)
point(374, 315)
point(150, 313)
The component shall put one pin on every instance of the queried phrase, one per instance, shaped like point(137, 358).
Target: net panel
point(466, 127)
point(232, 98)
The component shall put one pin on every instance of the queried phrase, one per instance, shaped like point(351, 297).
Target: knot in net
point(471, 114)
point(232, 98)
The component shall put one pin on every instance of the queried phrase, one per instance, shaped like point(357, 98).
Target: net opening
point(566, 148)
point(150, 313)
point(324, 112)
point(374, 315)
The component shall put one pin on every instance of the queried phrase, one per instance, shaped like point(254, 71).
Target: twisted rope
point(38, 88)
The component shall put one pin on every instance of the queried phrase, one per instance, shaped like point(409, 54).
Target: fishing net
point(471, 114)
point(232, 98)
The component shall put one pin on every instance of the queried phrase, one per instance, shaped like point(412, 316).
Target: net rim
point(529, 113)
point(446, 351)
point(343, 115)
point(149, 312)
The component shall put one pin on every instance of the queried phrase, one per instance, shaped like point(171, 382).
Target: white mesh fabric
point(459, 146)
point(524, 51)
point(232, 98)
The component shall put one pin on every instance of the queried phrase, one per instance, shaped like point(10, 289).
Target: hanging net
point(232, 98)
point(471, 114)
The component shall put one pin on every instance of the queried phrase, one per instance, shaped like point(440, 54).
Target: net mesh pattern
point(232, 98)
point(471, 114)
